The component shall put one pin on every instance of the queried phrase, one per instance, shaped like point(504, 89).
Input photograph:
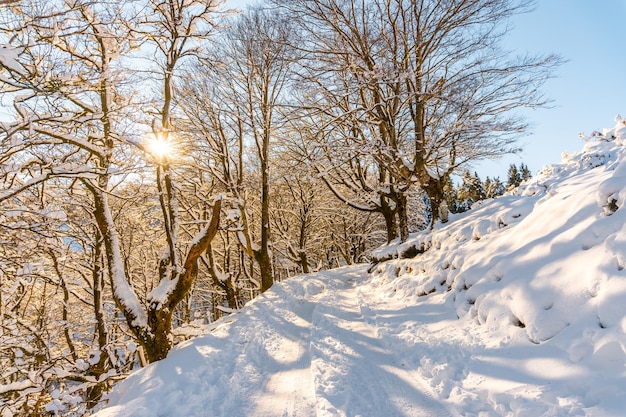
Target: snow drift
point(515, 308)
point(537, 276)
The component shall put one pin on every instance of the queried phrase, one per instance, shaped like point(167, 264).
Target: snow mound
point(535, 258)
point(544, 263)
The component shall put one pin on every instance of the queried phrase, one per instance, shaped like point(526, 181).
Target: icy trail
point(309, 347)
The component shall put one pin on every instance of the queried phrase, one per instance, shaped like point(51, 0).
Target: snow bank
point(538, 275)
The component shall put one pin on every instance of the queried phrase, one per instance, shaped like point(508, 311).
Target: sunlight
point(160, 148)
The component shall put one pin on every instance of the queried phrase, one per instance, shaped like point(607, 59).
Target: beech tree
point(175, 27)
point(410, 91)
point(261, 58)
point(211, 120)
point(59, 76)
point(236, 107)
point(71, 106)
point(298, 220)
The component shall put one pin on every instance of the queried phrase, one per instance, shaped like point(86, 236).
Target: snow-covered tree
point(471, 190)
point(298, 222)
point(245, 92)
point(525, 172)
point(494, 187)
point(402, 93)
point(513, 177)
point(59, 73)
point(212, 121)
point(73, 105)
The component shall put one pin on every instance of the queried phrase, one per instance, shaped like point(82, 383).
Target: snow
point(160, 293)
point(121, 287)
point(303, 348)
point(8, 59)
point(515, 308)
point(15, 386)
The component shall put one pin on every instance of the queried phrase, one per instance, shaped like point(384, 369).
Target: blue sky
point(589, 90)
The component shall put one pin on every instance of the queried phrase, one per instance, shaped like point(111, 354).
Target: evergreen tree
point(494, 187)
point(525, 172)
point(488, 187)
point(471, 190)
point(451, 196)
point(517, 174)
point(514, 177)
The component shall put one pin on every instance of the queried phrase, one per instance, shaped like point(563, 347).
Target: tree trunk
point(231, 294)
point(403, 216)
point(94, 392)
point(435, 190)
point(158, 342)
point(263, 254)
point(304, 262)
point(390, 219)
point(265, 265)
point(226, 285)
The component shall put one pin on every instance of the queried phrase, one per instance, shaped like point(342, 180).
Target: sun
point(160, 148)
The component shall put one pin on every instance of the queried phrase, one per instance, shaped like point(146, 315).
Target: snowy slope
point(516, 308)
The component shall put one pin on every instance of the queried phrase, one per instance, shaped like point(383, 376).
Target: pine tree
point(514, 177)
point(471, 190)
point(494, 187)
point(451, 196)
point(525, 172)
point(488, 187)
point(477, 188)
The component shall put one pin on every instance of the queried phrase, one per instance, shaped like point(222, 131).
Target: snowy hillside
point(516, 308)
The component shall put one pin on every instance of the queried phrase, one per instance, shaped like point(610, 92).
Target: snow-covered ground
point(516, 308)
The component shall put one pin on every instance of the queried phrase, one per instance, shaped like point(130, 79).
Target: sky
point(588, 91)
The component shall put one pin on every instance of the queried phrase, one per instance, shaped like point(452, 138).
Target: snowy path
point(356, 372)
point(309, 347)
point(326, 358)
point(288, 390)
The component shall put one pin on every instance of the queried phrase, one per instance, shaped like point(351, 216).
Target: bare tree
point(412, 90)
point(72, 100)
point(175, 27)
point(298, 220)
point(259, 46)
point(242, 114)
point(64, 107)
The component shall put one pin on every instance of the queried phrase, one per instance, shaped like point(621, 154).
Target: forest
point(163, 162)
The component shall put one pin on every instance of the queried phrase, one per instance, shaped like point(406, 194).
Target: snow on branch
point(169, 291)
point(8, 58)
